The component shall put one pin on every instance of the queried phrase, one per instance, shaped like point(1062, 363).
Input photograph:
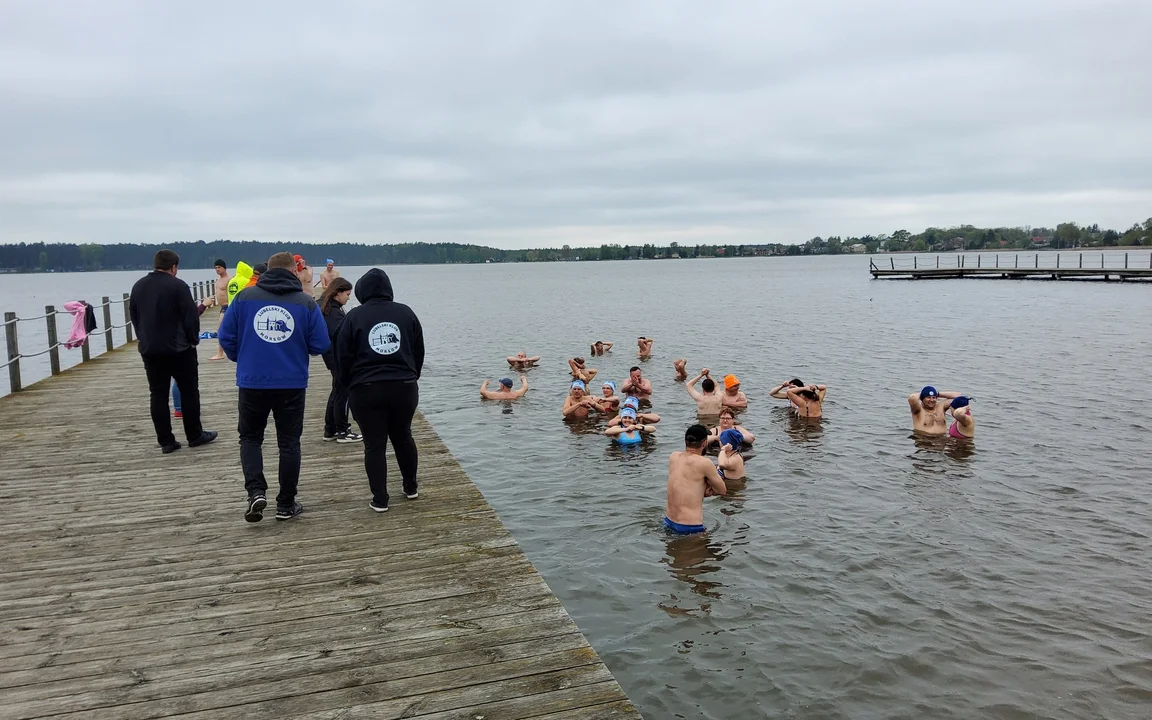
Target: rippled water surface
point(858, 573)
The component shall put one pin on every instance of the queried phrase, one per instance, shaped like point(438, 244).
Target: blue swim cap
point(506, 382)
point(959, 402)
point(329, 260)
point(732, 437)
point(628, 413)
point(609, 383)
point(579, 384)
point(928, 392)
point(632, 402)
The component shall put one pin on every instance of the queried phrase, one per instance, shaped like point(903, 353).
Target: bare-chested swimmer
point(928, 410)
point(807, 400)
point(645, 346)
point(636, 384)
point(609, 400)
point(965, 426)
point(505, 392)
point(580, 371)
point(709, 402)
point(691, 478)
point(680, 366)
point(733, 397)
point(730, 464)
point(578, 404)
point(521, 361)
point(600, 347)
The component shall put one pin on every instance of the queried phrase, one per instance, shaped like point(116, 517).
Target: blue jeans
point(175, 396)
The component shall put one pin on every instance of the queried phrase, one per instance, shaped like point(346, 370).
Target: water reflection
point(692, 559)
point(617, 452)
point(931, 449)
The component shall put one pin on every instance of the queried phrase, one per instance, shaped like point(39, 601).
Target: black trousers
point(161, 371)
point(336, 414)
point(287, 408)
point(384, 412)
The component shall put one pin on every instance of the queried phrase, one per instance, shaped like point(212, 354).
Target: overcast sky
point(529, 124)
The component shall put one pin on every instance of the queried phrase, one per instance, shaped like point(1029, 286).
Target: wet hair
point(796, 382)
point(727, 411)
point(808, 394)
point(334, 288)
point(695, 436)
point(282, 261)
point(165, 260)
point(579, 360)
point(709, 385)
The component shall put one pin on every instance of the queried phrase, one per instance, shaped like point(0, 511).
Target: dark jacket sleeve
point(334, 319)
point(134, 313)
point(191, 318)
point(318, 340)
point(417, 345)
point(344, 351)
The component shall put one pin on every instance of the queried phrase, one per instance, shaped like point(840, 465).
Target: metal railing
point(200, 291)
point(1050, 260)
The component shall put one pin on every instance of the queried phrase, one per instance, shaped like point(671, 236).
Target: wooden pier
point(1057, 265)
point(131, 587)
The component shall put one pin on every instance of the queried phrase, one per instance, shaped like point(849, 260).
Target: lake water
point(858, 573)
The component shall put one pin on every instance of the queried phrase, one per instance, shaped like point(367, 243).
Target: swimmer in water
point(609, 401)
point(965, 426)
point(631, 402)
point(521, 361)
point(780, 392)
point(577, 404)
point(580, 372)
point(645, 345)
point(691, 478)
point(708, 403)
point(629, 432)
point(732, 396)
point(600, 347)
point(681, 372)
point(730, 464)
point(505, 392)
point(807, 400)
point(928, 410)
point(637, 384)
point(728, 422)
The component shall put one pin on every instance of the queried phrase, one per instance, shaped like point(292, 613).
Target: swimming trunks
point(954, 431)
point(682, 529)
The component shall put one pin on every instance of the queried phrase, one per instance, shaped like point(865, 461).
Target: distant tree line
point(59, 257)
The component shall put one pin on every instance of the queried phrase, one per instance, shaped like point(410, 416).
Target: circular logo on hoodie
point(384, 338)
point(273, 324)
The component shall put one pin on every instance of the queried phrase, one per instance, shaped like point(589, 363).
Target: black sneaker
point(255, 511)
point(205, 437)
point(412, 495)
point(349, 437)
point(378, 508)
point(330, 438)
point(170, 448)
point(289, 513)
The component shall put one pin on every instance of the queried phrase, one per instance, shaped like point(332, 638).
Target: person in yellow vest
point(240, 280)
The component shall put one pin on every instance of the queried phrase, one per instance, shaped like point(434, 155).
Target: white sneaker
point(349, 437)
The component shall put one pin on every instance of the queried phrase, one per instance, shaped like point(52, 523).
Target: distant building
point(858, 248)
point(1042, 241)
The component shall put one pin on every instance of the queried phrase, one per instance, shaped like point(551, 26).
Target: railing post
point(1057, 261)
point(1081, 261)
point(1017, 261)
point(13, 351)
point(937, 262)
point(127, 320)
point(913, 262)
point(1037, 259)
point(53, 351)
point(892, 262)
point(978, 260)
point(1125, 261)
point(997, 259)
point(1101, 261)
point(107, 324)
point(85, 351)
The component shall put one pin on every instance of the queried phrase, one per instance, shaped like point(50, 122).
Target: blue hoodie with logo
point(270, 329)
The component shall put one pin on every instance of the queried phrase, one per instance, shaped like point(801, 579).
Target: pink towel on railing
point(78, 308)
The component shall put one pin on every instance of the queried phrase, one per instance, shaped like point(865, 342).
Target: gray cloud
point(541, 123)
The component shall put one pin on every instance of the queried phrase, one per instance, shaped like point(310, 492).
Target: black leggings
point(384, 412)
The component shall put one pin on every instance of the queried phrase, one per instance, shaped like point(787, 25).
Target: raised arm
point(690, 386)
point(607, 346)
point(484, 391)
point(964, 417)
point(821, 390)
point(914, 403)
point(780, 392)
point(725, 460)
point(523, 387)
point(749, 436)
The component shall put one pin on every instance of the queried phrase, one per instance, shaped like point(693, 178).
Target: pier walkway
point(1054, 265)
point(132, 588)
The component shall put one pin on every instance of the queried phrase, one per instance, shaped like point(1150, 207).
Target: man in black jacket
point(168, 328)
point(379, 356)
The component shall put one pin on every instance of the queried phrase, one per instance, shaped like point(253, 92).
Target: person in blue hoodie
point(269, 331)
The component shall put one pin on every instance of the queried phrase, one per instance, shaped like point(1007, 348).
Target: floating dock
point(1046, 266)
point(131, 587)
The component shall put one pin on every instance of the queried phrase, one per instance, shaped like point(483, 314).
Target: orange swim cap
point(300, 264)
point(730, 381)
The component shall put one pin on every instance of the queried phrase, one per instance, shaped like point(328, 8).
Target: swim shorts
point(682, 529)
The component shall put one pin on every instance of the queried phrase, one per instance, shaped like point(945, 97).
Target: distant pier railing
point(1046, 265)
point(14, 355)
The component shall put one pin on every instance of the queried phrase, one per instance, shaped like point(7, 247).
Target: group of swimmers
point(692, 475)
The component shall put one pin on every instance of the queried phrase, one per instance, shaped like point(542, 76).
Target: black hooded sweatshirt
point(380, 340)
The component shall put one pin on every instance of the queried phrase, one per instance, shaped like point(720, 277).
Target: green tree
point(43, 261)
point(1067, 235)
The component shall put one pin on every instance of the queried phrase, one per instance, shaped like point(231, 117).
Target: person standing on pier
point(330, 273)
point(379, 356)
point(221, 293)
point(269, 332)
point(168, 328)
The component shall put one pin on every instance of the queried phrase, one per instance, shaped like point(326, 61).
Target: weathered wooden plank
point(131, 587)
